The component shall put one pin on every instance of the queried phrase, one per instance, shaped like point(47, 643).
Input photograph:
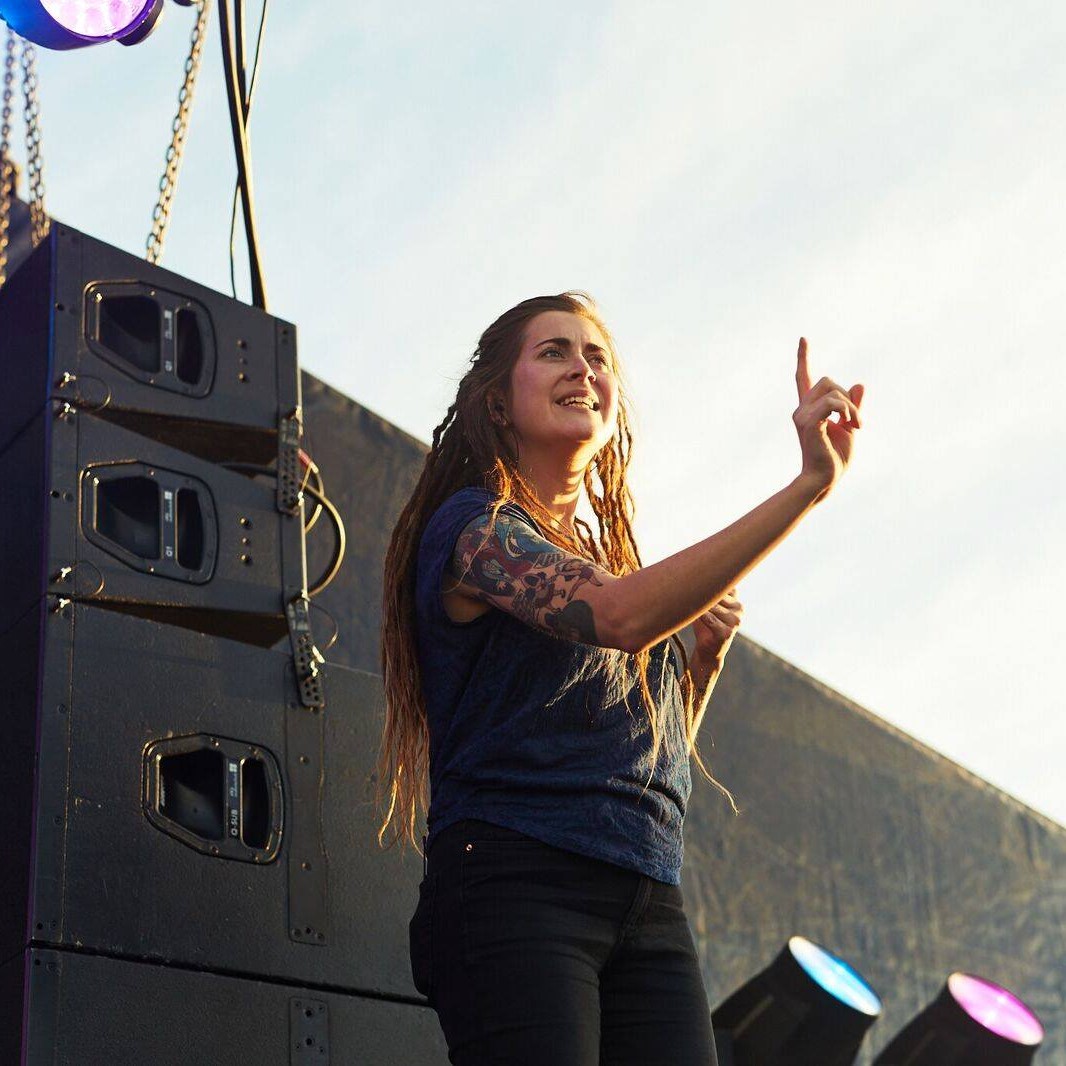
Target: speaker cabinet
point(111, 334)
point(169, 799)
point(85, 1010)
point(191, 870)
point(98, 512)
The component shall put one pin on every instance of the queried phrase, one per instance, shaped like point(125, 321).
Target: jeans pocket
point(420, 937)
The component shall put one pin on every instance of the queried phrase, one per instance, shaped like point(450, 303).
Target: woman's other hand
point(826, 445)
point(715, 629)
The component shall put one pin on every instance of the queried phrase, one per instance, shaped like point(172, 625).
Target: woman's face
point(563, 354)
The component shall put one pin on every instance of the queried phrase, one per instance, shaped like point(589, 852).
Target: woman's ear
point(497, 410)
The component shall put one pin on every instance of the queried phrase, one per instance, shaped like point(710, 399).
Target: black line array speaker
point(190, 868)
point(96, 327)
point(187, 813)
point(145, 526)
point(115, 437)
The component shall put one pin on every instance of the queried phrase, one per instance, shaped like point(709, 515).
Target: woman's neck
point(558, 489)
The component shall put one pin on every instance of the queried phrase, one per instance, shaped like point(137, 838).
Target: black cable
point(336, 627)
point(318, 508)
point(338, 522)
point(313, 471)
point(237, 183)
point(339, 548)
point(238, 24)
point(242, 153)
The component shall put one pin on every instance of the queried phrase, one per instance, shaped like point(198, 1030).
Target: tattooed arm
point(520, 572)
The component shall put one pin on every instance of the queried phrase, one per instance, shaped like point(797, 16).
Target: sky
point(885, 179)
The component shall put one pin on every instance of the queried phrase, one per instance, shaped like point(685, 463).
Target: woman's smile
point(588, 404)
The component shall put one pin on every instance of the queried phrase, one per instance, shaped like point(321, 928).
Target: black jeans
point(535, 955)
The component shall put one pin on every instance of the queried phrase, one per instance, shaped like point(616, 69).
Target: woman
point(533, 674)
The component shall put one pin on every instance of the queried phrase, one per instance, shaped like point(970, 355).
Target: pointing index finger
point(803, 376)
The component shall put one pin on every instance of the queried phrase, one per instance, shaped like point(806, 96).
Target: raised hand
point(826, 444)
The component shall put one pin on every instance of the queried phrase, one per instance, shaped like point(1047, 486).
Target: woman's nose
point(583, 368)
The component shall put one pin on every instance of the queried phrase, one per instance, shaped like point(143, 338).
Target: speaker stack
point(189, 867)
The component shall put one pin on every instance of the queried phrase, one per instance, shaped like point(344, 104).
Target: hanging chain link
point(179, 128)
point(31, 113)
point(39, 221)
point(7, 166)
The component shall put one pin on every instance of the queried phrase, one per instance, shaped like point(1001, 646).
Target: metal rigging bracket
point(305, 656)
point(290, 483)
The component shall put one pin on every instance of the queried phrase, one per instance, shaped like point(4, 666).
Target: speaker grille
point(127, 513)
point(128, 327)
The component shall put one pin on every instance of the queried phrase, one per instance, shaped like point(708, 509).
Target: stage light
point(973, 1022)
point(835, 976)
point(995, 1008)
point(77, 23)
point(807, 1008)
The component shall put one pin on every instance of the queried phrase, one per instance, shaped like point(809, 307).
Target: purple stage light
point(77, 23)
point(100, 20)
point(998, 1010)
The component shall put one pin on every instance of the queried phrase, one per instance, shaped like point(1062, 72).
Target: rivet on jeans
point(470, 847)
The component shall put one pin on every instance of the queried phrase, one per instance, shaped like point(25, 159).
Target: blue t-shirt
point(527, 732)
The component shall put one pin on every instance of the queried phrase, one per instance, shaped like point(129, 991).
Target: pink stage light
point(64, 24)
point(998, 1010)
point(100, 19)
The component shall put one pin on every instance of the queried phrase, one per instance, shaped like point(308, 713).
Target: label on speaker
point(233, 793)
point(170, 535)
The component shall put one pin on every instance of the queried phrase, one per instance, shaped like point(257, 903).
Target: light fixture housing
point(972, 1021)
point(807, 1008)
point(63, 24)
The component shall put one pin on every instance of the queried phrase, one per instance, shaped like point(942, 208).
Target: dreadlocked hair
point(469, 449)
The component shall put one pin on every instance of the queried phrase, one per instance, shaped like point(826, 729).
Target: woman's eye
point(604, 361)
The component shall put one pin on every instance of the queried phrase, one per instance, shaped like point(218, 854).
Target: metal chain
point(179, 128)
point(39, 221)
point(7, 166)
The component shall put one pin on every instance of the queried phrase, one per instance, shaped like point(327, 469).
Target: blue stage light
point(77, 23)
point(807, 1008)
point(835, 976)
